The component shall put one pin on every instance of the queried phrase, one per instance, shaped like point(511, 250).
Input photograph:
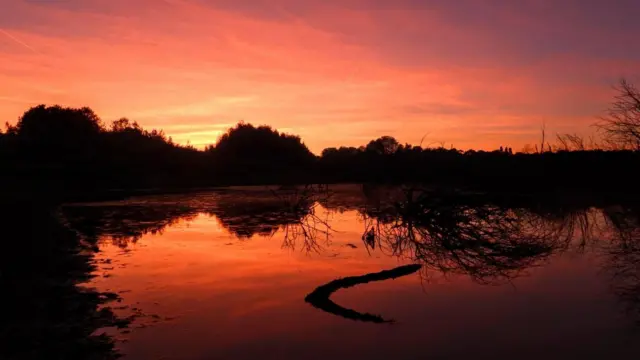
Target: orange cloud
point(337, 73)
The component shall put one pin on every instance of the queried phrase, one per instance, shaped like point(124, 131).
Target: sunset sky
point(472, 73)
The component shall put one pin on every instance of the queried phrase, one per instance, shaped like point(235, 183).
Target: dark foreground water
point(359, 273)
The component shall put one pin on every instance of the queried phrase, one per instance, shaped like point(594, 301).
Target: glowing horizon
point(336, 73)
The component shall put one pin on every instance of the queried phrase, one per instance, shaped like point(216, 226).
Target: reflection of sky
point(473, 73)
point(230, 298)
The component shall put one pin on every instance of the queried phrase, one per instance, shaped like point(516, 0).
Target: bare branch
point(621, 124)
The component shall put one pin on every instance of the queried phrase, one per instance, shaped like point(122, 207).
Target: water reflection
point(449, 234)
point(486, 239)
point(293, 211)
point(125, 224)
point(243, 213)
point(491, 240)
point(623, 257)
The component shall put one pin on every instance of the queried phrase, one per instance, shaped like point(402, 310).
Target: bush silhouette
point(56, 134)
point(385, 145)
point(246, 152)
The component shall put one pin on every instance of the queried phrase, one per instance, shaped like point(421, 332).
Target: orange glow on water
point(205, 293)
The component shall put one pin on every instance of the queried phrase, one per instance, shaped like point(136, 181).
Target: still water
point(227, 274)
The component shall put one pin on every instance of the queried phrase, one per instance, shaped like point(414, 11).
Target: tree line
point(58, 150)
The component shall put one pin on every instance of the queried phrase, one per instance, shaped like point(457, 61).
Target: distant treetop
point(246, 142)
point(55, 121)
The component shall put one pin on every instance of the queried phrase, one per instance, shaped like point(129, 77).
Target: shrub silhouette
point(56, 134)
point(385, 145)
point(245, 153)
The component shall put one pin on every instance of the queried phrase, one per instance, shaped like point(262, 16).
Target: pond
point(364, 272)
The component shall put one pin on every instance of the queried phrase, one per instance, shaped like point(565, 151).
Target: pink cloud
point(335, 73)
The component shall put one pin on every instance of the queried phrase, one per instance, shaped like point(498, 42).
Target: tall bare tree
point(621, 124)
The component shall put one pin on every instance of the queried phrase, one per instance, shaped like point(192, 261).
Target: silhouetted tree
point(149, 158)
point(621, 125)
point(56, 151)
point(246, 141)
point(384, 145)
point(3, 140)
point(246, 153)
point(55, 134)
point(54, 148)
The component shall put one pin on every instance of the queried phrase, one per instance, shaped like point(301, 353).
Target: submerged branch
point(320, 297)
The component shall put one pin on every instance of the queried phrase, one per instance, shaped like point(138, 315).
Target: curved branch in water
point(319, 298)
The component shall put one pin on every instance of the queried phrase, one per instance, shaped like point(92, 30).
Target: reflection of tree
point(570, 227)
point(263, 216)
point(489, 239)
point(623, 262)
point(624, 266)
point(243, 213)
point(125, 224)
point(625, 221)
point(309, 230)
point(292, 210)
point(47, 312)
point(446, 234)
